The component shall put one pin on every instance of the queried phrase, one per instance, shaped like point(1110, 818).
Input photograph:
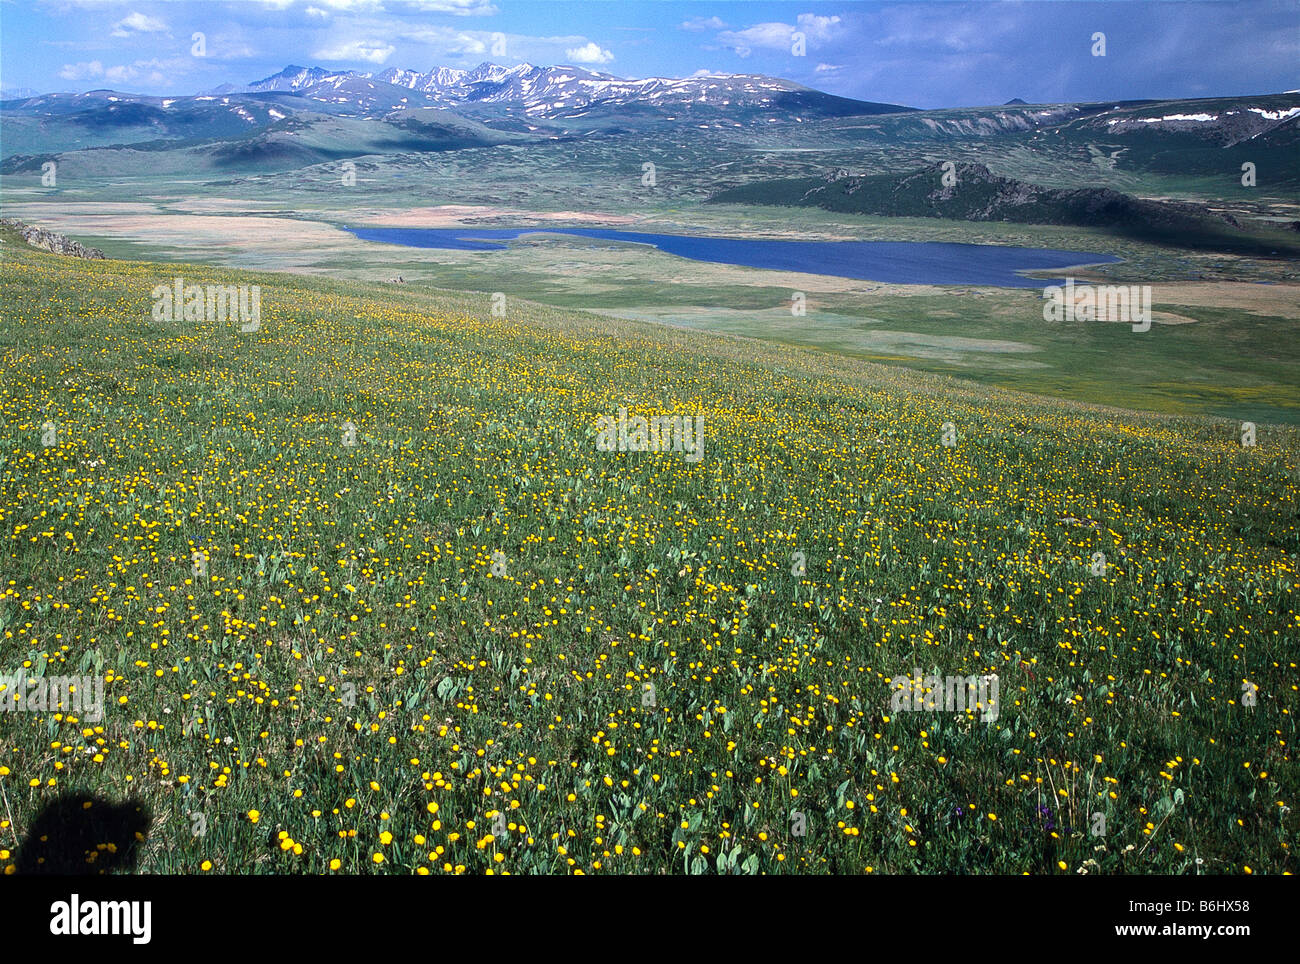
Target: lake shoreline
point(887, 262)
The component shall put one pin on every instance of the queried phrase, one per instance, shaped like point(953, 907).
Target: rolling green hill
point(971, 192)
point(287, 144)
point(365, 594)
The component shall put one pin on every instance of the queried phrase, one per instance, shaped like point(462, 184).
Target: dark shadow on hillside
point(83, 834)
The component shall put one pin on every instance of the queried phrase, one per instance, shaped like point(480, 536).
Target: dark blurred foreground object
point(81, 834)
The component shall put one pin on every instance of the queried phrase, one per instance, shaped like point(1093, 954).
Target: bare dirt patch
point(465, 215)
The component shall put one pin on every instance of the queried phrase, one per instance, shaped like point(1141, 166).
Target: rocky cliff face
point(49, 241)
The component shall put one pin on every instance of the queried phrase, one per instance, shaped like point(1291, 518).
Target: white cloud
point(589, 53)
point(454, 47)
point(84, 70)
point(460, 8)
point(461, 42)
point(154, 72)
point(138, 23)
point(149, 71)
point(779, 36)
point(822, 28)
point(447, 40)
point(229, 47)
point(703, 23)
point(371, 51)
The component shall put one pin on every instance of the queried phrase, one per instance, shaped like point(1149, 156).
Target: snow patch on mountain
point(543, 91)
point(1275, 114)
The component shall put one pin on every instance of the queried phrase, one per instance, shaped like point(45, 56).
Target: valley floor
point(1223, 341)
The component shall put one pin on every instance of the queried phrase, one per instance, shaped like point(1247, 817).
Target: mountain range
point(770, 138)
point(500, 104)
point(566, 91)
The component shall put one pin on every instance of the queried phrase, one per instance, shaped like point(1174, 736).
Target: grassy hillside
point(473, 612)
point(977, 194)
point(294, 142)
point(1203, 359)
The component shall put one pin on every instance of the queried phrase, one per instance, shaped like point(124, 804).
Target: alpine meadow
point(749, 446)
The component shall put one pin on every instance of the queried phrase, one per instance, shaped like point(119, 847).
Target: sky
point(927, 54)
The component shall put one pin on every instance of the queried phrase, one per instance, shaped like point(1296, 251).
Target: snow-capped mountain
point(296, 78)
point(370, 97)
point(435, 81)
point(566, 91)
point(561, 90)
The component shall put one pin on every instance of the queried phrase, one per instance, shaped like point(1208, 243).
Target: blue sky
point(930, 54)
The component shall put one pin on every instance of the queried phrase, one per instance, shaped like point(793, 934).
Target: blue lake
point(892, 262)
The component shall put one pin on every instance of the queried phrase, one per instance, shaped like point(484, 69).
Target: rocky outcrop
point(49, 241)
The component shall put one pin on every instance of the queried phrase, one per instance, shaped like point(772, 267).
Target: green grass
point(469, 609)
point(1227, 363)
point(978, 194)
